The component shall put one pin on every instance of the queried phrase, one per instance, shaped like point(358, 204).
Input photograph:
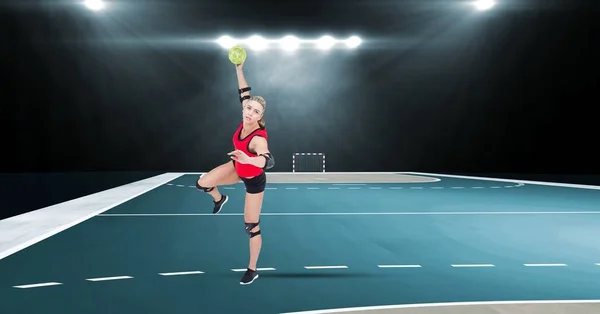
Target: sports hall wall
point(87, 98)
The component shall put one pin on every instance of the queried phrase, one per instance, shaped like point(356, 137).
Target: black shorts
point(256, 184)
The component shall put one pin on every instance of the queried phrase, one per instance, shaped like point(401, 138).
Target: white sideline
point(564, 185)
point(445, 304)
point(22, 231)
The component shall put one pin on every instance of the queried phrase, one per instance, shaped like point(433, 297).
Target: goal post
point(308, 162)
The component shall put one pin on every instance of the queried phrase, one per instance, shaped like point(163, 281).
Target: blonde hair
point(263, 103)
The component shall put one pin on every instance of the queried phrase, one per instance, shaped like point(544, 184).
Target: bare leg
point(224, 174)
point(253, 205)
point(216, 195)
point(252, 210)
point(221, 175)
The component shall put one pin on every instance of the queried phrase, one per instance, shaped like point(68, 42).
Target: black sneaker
point(219, 204)
point(249, 277)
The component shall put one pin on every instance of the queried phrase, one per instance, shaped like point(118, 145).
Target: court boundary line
point(321, 173)
point(38, 238)
point(432, 179)
point(480, 213)
point(565, 185)
point(443, 304)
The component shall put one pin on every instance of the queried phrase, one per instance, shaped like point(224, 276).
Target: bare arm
point(260, 146)
point(242, 84)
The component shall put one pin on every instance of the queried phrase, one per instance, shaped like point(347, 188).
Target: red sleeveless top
point(243, 144)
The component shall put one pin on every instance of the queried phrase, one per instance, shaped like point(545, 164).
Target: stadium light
point(257, 43)
point(483, 5)
point(325, 42)
point(226, 42)
point(94, 5)
point(353, 42)
point(289, 42)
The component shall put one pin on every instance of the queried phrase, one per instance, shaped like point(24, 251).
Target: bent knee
point(205, 181)
point(204, 185)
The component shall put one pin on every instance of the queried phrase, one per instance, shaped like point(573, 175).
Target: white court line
point(371, 214)
point(83, 204)
point(109, 278)
point(520, 182)
point(271, 173)
point(444, 304)
point(181, 273)
point(399, 266)
point(545, 265)
point(37, 285)
point(326, 267)
point(472, 265)
point(377, 187)
point(257, 269)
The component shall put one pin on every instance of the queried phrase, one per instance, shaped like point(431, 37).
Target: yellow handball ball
point(237, 54)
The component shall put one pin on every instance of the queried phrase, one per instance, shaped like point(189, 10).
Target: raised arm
point(244, 89)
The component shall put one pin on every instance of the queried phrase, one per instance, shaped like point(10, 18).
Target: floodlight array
point(289, 42)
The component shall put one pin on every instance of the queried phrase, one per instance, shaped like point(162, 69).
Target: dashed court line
point(472, 265)
point(109, 278)
point(309, 268)
point(38, 285)
point(545, 265)
point(182, 273)
point(326, 267)
point(257, 269)
point(399, 266)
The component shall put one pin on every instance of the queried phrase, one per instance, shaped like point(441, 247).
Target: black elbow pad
point(242, 90)
point(270, 161)
point(245, 89)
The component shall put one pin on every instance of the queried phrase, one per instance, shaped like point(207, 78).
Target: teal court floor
point(325, 246)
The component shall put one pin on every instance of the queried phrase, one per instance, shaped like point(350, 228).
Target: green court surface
point(325, 246)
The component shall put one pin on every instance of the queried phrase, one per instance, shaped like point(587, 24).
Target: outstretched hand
point(239, 156)
point(240, 66)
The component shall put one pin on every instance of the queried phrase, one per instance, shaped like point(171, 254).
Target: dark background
point(93, 100)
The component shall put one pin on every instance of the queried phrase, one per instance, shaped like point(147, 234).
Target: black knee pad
point(203, 188)
point(249, 227)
